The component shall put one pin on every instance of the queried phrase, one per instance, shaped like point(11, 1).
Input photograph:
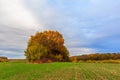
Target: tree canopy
point(46, 46)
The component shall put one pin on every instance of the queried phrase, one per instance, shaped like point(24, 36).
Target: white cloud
point(81, 22)
point(15, 14)
point(17, 23)
point(80, 51)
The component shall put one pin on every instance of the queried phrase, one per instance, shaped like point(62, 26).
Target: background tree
point(46, 45)
point(3, 59)
point(97, 57)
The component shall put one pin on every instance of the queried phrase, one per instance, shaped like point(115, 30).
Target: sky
point(88, 26)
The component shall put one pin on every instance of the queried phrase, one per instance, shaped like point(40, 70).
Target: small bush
point(110, 61)
point(3, 59)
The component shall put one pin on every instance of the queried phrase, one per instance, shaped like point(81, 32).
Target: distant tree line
point(3, 59)
point(97, 56)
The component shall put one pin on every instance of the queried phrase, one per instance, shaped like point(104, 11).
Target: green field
point(59, 71)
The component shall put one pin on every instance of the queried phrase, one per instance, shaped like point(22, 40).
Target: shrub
point(3, 59)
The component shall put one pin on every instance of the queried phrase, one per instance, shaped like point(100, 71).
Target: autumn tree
point(3, 59)
point(97, 56)
point(47, 45)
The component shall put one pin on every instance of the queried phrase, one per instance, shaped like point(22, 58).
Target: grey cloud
point(17, 23)
point(11, 54)
point(83, 23)
point(13, 40)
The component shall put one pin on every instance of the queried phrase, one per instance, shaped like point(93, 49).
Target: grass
point(59, 71)
point(17, 60)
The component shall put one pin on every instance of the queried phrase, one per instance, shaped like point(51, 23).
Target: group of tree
point(97, 56)
point(3, 59)
point(47, 46)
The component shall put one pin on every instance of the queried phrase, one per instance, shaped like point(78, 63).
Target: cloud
point(11, 54)
point(81, 51)
point(15, 14)
point(14, 40)
point(17, 23)
point(87, 26)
